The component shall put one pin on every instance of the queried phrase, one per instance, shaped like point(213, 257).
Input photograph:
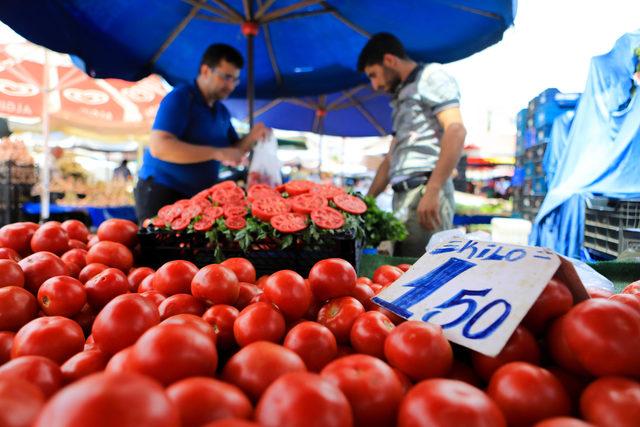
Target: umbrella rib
point(210, 8)
point(176, 31)
point(228, 8)
point(346, 21)
point(367, 115)
point(285, 10)
point(246, 7)
point(484, 13)
point(263, 8)
point(268, 107)
point(345, 95)
point(300, 15)
point(217, 19)
point(272, 55)
point(301, 103)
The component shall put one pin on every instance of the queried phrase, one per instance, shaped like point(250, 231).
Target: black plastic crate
point(159, 247)
point(605, 221)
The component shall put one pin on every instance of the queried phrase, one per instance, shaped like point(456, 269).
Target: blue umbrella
point(294, 47)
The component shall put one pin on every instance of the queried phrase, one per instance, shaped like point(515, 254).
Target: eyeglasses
point(226, 77)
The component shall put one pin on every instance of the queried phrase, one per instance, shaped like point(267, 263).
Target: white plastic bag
point(265, 165)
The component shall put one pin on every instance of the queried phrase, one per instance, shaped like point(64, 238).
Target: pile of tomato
point(288, 207)
point(89, 339)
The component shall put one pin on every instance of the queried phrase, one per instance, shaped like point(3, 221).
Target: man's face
point(220, 80)
point(382, 78)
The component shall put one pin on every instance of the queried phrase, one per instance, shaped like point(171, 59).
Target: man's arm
point(258, 132)
point(451, 146)
point(381, 180)
point(167, 147)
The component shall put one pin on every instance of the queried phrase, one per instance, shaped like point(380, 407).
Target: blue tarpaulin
point(600, 152)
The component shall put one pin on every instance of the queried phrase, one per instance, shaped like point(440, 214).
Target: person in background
point(428, 139)
point(192, 135)
point(122, 171)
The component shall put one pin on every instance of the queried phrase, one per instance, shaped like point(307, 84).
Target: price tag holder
point(478, 292)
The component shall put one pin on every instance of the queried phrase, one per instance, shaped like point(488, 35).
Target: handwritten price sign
point(478, 292)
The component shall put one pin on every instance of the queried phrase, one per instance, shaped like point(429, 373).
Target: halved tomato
point(264, 209)
point(327, 218)
point(294, 188)
point(235, 222)
point(352, 204)
point(289, 222)
point(307, 203)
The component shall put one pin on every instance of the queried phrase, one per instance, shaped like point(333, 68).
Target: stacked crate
point(15, 188)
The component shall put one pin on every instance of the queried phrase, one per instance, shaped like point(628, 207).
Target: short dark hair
point(377, 46)
point(218, 51)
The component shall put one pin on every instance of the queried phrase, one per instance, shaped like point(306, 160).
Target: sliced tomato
point(146, 223)
point(352, 204)
point(308, 202)
point(183, 203)
point(261, 191)
point(264, 209)
point(213, 212)
point(203, 194)
point(180, 223)
point(169, 213)
point(327, 218)
point(294, 188)
point(203, 203)
point(225, 185)
point(228, 196)
point(289, 222)
point(191, 211)
point(280, 188)
point(158, 222)
point(328, 191)
point(205, 223)
point(235, 210)
point(235, 222)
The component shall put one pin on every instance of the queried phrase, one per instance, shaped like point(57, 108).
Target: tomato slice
point(261, 191)
point(289, 222)
point(328, 191)
point(225, 196)
point(264, 209)
point(235, 222)
point(295, 188)
point(280, 188)
point(158, 222)
point(169, 212)
point(180, 224)
point(307, 203)
point(235, 210)
point(183, 203)
point(213, 212)
point(352, 204)
point(225, 185)
point(191, 211)
point(146, 223)
point(204, 224)
point(327, 218)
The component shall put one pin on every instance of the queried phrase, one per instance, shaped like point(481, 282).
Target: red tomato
point(419, 349)
point(339, 315)
point(50, 237)
point(232, 422)
point(605, 336)
point(555, 300)
point(76, 230)
point(563, 422)
point(147, 285)
point(10, 273)
point(113, 254)
point(119, 230)
point(216, 284)
point(595, 292)
point(462, 372)
point(105, 286)
point(332, 278)
point(612, 401)
point(153, 296)
point(201, 400)
point(222, 317)
point(121, 361)
point(386, 275)
point(404, 380)
point(110, 399)
point(73, 269)
point(351, 204)
point(369, 332)
point(93, 240)
point(62, 296)
point(136, 276)
point(82, 364)
point(327, 218)
point(631, 300)
point(39, 267)
point(304, 204)
point(572, 383)
point(122, 321)
point(18, 236)
point(289, 291)
point(172, 352)
point(289, 222)
point(77, 244)
point(314, 343)
point(174, 277)
point(76, 256)
point(247, 292)
point(20, 402)
point(235, 222)
point(522, 346)
point(297, 187)
point(303, 399)
point(392, 316)
point(6, 342)
point(85, 318)
point(363, 293)
point(17, 307)
point(242, 267)
point(527, 394)
point(372, 388)
point(254, 367)
point(37, 370)
point(404, 267)
point(559, 349)
point(194, 321)
point(632, 288)
point(91, 270)
point(8, 253)
point(179, 304)
point(258, 322)
point(444, 403)
point(55, 337)
point(364, 280)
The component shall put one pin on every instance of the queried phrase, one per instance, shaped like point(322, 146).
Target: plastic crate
point(16, 182)
point(159, 247)
point(605, 222)
point(630, 240)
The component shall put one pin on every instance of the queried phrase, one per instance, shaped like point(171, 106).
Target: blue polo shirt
point(184, 113)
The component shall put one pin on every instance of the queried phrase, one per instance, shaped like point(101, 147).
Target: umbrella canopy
point(302, 47)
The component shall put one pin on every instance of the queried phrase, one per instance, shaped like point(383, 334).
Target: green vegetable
point(380, 225)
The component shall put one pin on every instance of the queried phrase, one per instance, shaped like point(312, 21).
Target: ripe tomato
point(404, 267)
point(85, 318)
point(605, 336)
point(18, 236)
point(174, 277)
point(332, 278)
point(444, 403)
point(419, 350)
point(258, 322)
point(110, 399)
point(40, 371)
point(595, 292)
point(55, 337)
point(17, 307)
point(119, 230)
point(147, 285)
point(82, 364)
point(91, 270)
point(20, 402)
point(327, 218)
point(386, 275)
point(222, 317)
point(121, 361)
point(245, 272)
point(363, 293)
point(202, 400)
point(6, 342)
point(303, 399)
point(289, 222)
point(50, 237)
point(172, 352)
point(76, 256)
point(232, 422)
point(113, 254)
point(93, 239)
point(527, 394)
point(351, 204)
point(105, 286)
point(559, 350)
point(39, 267)
point(77, 244)
point(462, 372)
point(179, 304)
point(122, 321)
point(235, 222)
point(62, 296)
point(339, 315)
point(632, 288)
point(216, 284)
point(522, 346)
point(10, 273)
point(364, 280)
point(555, 300)
point(631, 300)
point(194, 321)
point(612, 401)
point(368, 333)
point(8, 253)
point(297, 187)
point(136, 276)
point(314, 343)
point(289, 291)
point(372, 388)
point(304, 204)
point(247, 292)
point(563, 422)
point(76, 230)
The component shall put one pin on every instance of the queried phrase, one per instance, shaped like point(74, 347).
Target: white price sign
point(478, 292)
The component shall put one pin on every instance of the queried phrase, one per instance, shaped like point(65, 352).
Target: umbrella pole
point(250, 77)
point(45, 176)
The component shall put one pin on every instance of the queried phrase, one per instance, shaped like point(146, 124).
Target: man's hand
point(258, 132)
point(429, 209)
point(230, 156)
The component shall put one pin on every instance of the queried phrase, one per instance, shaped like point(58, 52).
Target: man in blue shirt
point(192, 135)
